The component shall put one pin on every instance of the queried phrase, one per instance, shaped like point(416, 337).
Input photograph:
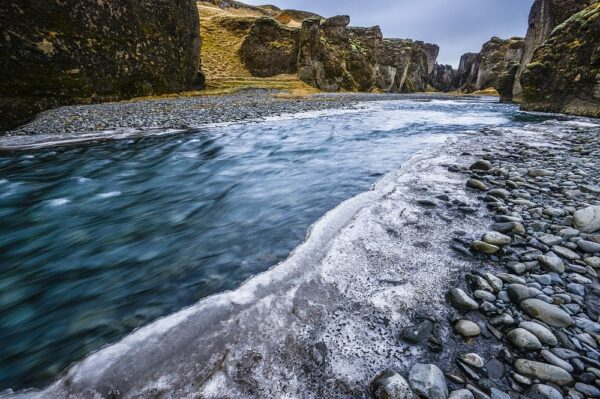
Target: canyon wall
point(55, 52)
point(564, 73)
point(545, 15)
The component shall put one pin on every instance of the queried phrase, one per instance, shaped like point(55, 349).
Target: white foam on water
point(110, 194)
point(58, 202)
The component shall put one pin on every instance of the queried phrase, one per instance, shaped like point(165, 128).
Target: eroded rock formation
point(564, 73)
point(468, 69)
point(403, 66)
point(56, 52)
point(498, 59)
point(443, 78)
point(544, 17)
point(270, 49)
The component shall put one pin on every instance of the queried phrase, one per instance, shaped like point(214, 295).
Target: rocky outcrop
point(544, 17)
point(334, 57)
point(56, 52)
point(564, 74)
point(403, 66)
point(270, 49)
point(443, 78)
point(498, 58)
point(432, 51)
point(466, 75)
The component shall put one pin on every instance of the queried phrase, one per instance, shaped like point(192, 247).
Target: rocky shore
point(537, 296)
point(85, 123)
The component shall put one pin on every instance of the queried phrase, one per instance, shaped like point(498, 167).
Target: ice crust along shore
point(324, 322)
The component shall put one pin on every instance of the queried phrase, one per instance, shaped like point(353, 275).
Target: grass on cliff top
point(289, 86)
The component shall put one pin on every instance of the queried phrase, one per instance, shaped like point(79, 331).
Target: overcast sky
point(457, 26)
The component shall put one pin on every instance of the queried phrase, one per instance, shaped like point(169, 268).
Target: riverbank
point(97, 122)
point(339, 311)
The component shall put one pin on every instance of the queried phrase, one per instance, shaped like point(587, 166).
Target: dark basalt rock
point(498, 57)
point(564, 75)
point(270, 49)
point(403, 66)
point(56, 52)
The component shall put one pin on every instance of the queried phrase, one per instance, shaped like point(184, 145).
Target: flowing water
point(96, 241)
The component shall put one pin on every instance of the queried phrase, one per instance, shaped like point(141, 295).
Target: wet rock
point(472, 359)
point(484, 247)
point(587, 220)
point(461, 394)
point(461, 301)
point(551, 358)
point(481, 164)
point(484, 295)
point(518, 292)
point(417, 333)
point(428, 380)
point(497, 394)
point(523, 339)
point(467, 328)
point(588, 390)
point(593, 262)
point(391, 385)
point(541, 391)
point(549, 314)
point(552, 263)
point(565, 252)
point(534, 172)
point(499, 193)
point(497, 239)
point(495, 369)
point(542, 333)
point(476, 184)
point(544, 372)
point(589, 246)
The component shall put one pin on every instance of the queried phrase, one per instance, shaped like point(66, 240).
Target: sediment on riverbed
point(366, 299)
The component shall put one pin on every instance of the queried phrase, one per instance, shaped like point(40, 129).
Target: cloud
point(457, 26)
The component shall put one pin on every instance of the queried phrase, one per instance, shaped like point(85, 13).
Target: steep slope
point(564, 75)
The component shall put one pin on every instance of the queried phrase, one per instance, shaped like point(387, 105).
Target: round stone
point(551, 263)
point(467, 328)
point(541, 391)
point(461, 301)
point(523, 339)
point(461, 394)
point(484, 247)
point(495, 238)
point(552, 315)
point(542, 333)
point(472, 359)
point(543, 372)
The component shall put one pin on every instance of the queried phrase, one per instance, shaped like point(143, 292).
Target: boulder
point(58, 52)
point(564, 73)
point(428, 381)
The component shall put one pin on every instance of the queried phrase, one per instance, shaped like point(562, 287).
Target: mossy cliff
point(333, 56)
point(55, 52)
point(545, 15)
point(564, 74)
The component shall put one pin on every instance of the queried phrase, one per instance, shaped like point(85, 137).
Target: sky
point(457, 26)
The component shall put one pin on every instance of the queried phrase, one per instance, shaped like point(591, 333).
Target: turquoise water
point(98, 240)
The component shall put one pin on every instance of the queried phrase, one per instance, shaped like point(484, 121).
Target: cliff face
point(544, 17)
point(468, 69)
point(403, 66)
point(498, 58)
point(564, 74)
point(333, 56)
point(443, 78)
point(432, 51)
point(270, 49)
point(55, 52)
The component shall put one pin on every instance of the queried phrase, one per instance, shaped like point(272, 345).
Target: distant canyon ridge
point(101, 50)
